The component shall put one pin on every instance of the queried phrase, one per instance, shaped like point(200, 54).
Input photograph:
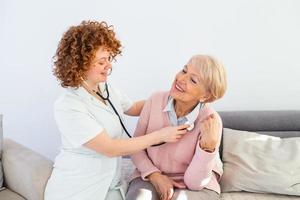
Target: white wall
point(258, 41)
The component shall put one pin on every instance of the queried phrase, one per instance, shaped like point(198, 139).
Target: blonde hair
point(213, 75)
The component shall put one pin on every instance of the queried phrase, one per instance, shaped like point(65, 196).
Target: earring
point(202, 104)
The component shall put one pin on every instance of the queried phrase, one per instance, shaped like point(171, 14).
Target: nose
point(108, 65)
point(181, 78)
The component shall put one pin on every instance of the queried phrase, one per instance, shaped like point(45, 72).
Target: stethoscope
point(113, 107)
point(116, 112)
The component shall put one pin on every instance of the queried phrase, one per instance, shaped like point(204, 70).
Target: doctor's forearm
point(111, 147)
point(129, 146)
point(136, 108)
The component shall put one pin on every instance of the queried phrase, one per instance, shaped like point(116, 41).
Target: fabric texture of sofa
point(25, 172)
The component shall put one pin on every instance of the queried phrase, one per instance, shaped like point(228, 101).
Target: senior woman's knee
point(204, 194)
point(141, 190)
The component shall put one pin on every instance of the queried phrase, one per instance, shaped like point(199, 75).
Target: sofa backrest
point(284, 124)
point(1, 144)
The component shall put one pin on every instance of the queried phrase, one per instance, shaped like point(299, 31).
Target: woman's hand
point(210, 133)
point(172, 133)
point(163, 185)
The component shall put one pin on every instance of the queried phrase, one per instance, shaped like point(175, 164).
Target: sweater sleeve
point(141, 159)
point(200, 170)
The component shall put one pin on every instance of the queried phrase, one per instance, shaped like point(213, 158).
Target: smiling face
point(188, 86)
point(100, 67)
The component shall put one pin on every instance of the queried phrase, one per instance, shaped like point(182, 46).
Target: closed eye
point(195, 82)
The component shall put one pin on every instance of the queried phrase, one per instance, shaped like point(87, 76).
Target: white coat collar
point(84, 94)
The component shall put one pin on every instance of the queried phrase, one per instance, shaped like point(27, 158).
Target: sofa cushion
point(259, 163)
point(25, 171)
point(10, 195)
point(255, 196)
point(1, 143)
point(283, 120)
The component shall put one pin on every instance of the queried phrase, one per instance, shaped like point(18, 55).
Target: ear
point(204, 98)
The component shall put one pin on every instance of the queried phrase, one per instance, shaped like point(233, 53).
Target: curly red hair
point(77, 49)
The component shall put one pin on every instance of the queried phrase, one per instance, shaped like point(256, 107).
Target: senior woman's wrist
point(153, 175)
point(207, 149)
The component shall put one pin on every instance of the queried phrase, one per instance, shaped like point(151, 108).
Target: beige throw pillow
point(260, 163)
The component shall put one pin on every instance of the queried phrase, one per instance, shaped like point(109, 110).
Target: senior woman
point(191, 167)
point(87, 167)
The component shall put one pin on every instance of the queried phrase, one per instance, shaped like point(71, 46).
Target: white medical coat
point(80, 173)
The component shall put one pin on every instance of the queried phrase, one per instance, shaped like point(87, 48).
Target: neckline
point(94, 94)
point(166, 119)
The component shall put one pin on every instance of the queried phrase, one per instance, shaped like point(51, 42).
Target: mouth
point(177, 87)
point(104, 73)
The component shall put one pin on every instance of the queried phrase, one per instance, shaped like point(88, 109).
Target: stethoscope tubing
point(116, 112)
point(113, 107)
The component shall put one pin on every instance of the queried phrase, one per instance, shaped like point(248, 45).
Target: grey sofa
point(26, 172)
point(275, 123)
point(282, 124)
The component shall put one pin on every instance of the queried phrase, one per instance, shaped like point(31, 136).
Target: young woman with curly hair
point(88, 165)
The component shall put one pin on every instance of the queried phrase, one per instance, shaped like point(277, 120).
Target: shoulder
point(114, 91)
point(206, 111)
point(110, 87)
point(159, 95)
point(155, 100)
point(69, 100)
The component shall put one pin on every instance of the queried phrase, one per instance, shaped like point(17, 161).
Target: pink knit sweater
point(183, 161)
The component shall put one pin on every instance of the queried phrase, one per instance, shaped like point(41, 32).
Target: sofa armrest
point(25, 171)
